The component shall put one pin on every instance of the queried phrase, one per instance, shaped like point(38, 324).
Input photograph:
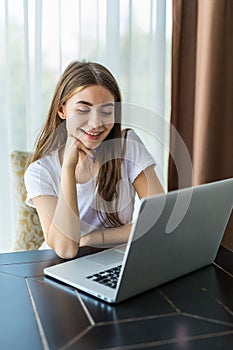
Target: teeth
point(93, 133)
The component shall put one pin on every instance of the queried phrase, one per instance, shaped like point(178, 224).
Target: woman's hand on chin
point(73, 150)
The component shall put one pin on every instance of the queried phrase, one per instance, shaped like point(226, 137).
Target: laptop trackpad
point(107, 257)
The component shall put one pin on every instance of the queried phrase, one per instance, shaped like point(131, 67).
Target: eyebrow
point(109, 104)
point(84, 103)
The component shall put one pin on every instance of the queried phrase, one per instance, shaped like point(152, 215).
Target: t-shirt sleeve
point(137, 156)
point(38, 181)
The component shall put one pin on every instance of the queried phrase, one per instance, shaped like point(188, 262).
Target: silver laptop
point(174, 234)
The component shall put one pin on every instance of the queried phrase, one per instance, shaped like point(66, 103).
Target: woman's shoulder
point(130, 134)
point(50, 161)
point(134, 147)
point(132, 138)
point(136, 156)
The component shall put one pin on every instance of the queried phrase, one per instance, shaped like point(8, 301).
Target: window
point(39, 38)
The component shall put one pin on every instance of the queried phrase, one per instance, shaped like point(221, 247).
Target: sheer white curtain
point(38, 38)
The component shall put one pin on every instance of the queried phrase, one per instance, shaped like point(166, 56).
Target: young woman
point(85, 171)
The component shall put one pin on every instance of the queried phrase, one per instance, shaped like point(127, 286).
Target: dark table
point(192, 312)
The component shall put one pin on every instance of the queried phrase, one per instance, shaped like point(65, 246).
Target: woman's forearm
point(107, 238)
point(64, 232)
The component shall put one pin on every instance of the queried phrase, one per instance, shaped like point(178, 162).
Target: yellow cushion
point(28, 232)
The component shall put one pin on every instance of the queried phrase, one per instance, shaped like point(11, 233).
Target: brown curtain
point(202, 92)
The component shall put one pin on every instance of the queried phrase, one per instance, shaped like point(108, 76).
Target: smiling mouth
point(92, 134)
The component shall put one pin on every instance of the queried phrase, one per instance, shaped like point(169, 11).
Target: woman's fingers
point(81, 147)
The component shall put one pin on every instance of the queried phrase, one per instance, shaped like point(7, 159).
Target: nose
point(95, 119)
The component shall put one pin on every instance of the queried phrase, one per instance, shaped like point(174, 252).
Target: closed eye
point(107, 110)
point(107, 113)
point(83, 111)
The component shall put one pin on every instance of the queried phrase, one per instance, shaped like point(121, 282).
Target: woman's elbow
point(67, 250)
point(67, 253)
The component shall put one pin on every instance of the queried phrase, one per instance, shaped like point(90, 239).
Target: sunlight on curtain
point(39, 38)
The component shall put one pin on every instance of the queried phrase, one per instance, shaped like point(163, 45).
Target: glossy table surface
point(192, 312)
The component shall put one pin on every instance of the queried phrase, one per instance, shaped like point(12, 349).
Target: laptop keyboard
point(107, 277)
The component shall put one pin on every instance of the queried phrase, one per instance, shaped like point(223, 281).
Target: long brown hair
point(81, 74)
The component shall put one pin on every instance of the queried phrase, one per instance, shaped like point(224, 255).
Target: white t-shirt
point(43, 176)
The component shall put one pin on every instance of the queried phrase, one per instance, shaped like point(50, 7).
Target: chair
point(28, 233)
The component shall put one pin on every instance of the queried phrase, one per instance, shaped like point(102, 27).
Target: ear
point(61, 113)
